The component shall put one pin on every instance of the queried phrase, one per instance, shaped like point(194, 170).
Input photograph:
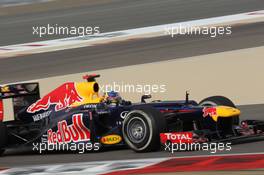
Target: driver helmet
point(113, 97)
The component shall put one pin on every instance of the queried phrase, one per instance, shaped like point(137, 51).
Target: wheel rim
point(136, 130)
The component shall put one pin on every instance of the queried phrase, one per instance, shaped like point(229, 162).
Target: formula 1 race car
point(76, 113)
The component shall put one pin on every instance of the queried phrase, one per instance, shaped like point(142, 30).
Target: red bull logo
point(62, 97)
point(75, 132)
point(209, 111)
point(1, 110)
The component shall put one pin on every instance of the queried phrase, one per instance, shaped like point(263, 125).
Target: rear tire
point(217, 101)
point(3, 138)
point(142, 127)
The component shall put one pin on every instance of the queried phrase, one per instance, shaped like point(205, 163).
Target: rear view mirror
point(144, 97)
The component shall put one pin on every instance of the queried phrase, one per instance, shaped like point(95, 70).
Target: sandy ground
point(236, 74)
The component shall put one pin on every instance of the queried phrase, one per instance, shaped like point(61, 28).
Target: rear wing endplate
point(14, 90)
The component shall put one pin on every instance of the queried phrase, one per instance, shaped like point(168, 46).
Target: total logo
point(111, 139)
point(177, 137)
point(75, 132)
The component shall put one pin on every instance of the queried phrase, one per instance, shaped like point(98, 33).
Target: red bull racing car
point(76, 113)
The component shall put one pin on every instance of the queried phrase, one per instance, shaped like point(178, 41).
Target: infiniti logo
point(124, 114)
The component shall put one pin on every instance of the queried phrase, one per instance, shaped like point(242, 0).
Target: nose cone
point(225, 111)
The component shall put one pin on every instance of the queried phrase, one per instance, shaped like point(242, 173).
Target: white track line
point(145, 32)
point(100, 167)
point(19, 3)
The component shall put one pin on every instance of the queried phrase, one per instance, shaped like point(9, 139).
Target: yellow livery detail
point(89, 91)
point(220, 111)
point(111, 139)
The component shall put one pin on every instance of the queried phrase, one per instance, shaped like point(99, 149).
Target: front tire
point(142, 128)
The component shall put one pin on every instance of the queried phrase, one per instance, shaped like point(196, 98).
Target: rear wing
point(22, 89)
point(14, 97)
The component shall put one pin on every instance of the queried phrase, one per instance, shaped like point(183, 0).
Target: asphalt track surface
point(126, 53)
point(14, 158)
point(113, 15)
